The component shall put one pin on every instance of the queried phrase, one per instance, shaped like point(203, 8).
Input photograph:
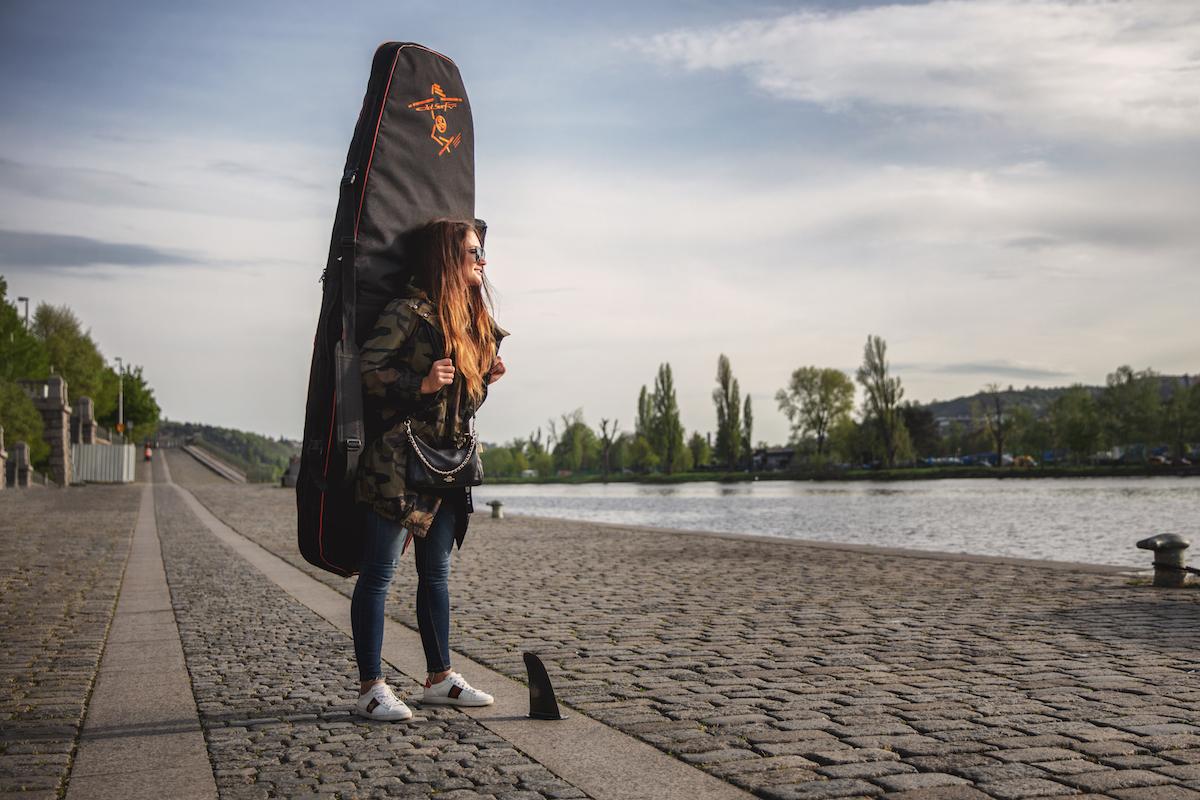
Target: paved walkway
point(812, 671)
point(62, 555)
point(788, 670)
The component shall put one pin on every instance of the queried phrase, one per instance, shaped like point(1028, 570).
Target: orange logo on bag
point(437, 104)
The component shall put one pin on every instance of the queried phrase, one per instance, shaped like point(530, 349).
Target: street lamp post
point(25, 300)
point(120, 396)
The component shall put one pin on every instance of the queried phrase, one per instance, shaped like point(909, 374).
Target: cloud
point(242, 169)
point(1098, 70)
point(187, 176)
point(79, 184)
point(21, 250)
point(1013, 214)
point(1005, 369)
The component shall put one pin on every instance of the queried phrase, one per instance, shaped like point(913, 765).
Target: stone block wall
point(22, 472)
point(50, 399)
point(83, 424)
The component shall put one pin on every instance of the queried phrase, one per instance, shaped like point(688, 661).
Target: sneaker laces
point(386, 697)
point(461, 682)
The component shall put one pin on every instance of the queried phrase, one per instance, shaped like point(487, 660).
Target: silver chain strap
point(448, 477)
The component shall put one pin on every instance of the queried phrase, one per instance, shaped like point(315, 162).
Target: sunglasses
point(478, 253)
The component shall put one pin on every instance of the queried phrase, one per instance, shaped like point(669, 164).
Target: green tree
point(577, 448)
point(883, 393)
point(497, 462)
point(642, 457)
point(22, 423)
point(1181, 417)
point(1193, 434)
point(726, 397)
point(922, 429)
point(1131, 407)
point(747, 434)
point(73, 354)
point(543, 464)
point(620, 455)
point(607, 436)
point(22, 355)
point(814, 400)
point(643, 425)
point(701, 452)
point(995, 419)
point(667, 428)
point(519, 460)
point(540, 461)
point(1032, 435)
point(142, 413)
point(1075, 419)
point(851, 442)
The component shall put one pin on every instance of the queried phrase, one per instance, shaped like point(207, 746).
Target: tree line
point(1139, 412)
point(658, 442)
point(55, 342)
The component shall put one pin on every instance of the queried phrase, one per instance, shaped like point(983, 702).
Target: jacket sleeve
point(387, 377)
point(500, 334)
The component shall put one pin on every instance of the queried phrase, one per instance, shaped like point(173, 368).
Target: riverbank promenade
point(165, 639)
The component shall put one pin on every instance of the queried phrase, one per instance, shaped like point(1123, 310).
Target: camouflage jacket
point(396, 357)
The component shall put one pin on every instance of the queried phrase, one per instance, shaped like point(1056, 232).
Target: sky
point(1005, 191)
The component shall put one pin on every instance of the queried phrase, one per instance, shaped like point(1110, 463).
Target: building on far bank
point(772, 459)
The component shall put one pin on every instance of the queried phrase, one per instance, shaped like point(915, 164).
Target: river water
point(1091, 520)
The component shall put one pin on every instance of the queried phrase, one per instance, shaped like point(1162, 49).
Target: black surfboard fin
point(542, 704)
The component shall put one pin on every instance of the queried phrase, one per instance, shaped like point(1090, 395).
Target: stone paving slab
point(62, 554)
point(274, 684)
point(141, 737)
point(796, 670)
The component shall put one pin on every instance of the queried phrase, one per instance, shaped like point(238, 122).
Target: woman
point(429, 360)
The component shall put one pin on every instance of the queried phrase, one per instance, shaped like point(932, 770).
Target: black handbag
point(433, 469)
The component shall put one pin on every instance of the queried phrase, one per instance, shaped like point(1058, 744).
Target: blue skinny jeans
point(380, 553)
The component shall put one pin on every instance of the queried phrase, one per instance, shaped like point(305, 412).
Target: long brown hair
point(464, 311)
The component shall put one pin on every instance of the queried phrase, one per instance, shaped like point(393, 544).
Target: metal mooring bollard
point(496, 512)
point(1170, 559)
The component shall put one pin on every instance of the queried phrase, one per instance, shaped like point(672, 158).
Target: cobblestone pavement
point(62, 554)
point(274, 684)
point(799, 671)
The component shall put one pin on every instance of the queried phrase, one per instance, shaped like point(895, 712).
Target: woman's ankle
point(438, 677)
point(365, 686)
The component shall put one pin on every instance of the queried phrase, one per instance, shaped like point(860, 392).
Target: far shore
point(905, 474)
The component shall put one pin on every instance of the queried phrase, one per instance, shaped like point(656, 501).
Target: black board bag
point(411, 160)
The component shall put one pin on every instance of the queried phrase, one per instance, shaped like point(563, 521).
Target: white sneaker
point(453, 690)
point(382, 704)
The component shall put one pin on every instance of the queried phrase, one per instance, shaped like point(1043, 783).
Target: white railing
point(103, 463)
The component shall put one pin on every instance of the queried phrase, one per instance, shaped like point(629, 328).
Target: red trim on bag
point(374, 139)
point(382, 106)
point(328, 453)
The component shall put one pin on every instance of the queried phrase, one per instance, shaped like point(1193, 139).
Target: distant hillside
point(1037, 398)
point(261, 458)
